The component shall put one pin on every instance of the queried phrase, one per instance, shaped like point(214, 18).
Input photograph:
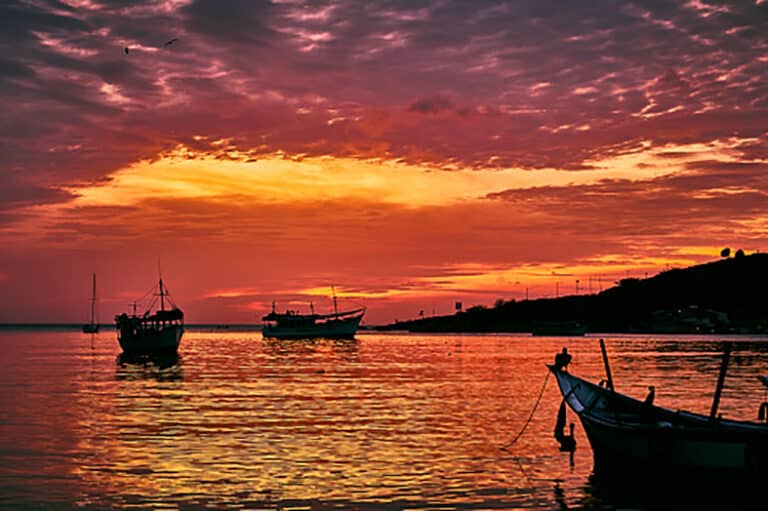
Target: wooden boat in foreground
point(151, 333)
point(629, 435)
point(92, 327)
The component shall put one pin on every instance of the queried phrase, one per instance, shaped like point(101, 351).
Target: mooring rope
point(530, 417)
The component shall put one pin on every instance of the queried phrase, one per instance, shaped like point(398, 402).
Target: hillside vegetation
point(724, 296)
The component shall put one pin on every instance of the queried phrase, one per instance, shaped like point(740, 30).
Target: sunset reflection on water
point(385, 421)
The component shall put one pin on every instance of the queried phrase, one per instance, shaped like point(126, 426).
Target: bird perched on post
point(562, 359)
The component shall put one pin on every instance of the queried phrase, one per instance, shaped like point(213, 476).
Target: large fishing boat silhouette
point(92, 327)
point(157, 333)
point(293, 325)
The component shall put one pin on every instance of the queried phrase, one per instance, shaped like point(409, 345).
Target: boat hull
point(628, 435)
point(335, 329)
point(164, 340)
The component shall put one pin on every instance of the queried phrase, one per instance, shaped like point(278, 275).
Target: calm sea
point(383, 422)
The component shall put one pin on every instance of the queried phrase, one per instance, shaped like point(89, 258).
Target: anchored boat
point(628, 435)
point(294, 325)
point(152, 333)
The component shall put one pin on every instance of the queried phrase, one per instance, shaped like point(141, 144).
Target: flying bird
point(170, 42)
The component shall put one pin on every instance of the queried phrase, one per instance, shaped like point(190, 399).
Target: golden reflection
point(345, 422)
point(385, 418)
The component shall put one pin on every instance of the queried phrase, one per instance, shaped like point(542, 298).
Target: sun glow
point(279, 179)
point(289, 212)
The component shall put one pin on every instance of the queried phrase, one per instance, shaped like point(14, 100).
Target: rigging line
point(148, 293)
point(530, 417)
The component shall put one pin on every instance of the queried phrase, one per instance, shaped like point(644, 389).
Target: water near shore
point(384, 422)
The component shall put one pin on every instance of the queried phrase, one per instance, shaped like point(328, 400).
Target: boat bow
point(627, 434)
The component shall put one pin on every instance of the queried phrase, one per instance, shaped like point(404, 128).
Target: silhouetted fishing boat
point(293, 325)
point(628, 435)
point(151, 333)
point(92, 327)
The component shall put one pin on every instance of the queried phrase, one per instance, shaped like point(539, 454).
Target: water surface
point(387, 421)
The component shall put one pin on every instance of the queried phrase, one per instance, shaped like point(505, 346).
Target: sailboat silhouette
point(92, 327)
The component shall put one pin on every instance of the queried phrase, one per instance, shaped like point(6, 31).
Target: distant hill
point(724, 296)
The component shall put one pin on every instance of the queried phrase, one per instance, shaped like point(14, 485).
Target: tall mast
point(162, 295)
point(93, 297)
point(335, 308)
point(720, 380)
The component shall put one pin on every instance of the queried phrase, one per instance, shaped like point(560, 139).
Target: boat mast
point(93, 297)
point(335, 308)
point(609, 381)
point(162, 295)
point(720, 381)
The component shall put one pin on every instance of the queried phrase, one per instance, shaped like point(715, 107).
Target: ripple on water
point(383, 422)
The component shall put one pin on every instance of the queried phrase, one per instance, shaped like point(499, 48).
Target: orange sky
point(277, 149)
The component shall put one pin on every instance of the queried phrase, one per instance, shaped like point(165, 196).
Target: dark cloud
point(717, 199)
point(18, 193)
point(239, 22)
point(431, 105)
point(10, 70)
point(18, 21)
point(717, 165)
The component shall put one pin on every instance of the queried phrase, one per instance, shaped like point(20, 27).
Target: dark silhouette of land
point(724, 296)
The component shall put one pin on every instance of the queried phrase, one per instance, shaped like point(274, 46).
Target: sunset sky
point(409, 153)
